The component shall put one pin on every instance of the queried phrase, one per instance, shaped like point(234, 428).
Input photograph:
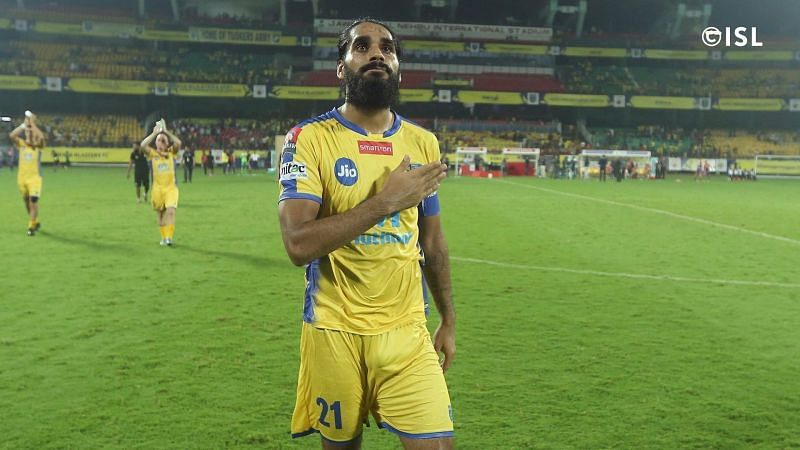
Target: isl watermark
point(733, 36)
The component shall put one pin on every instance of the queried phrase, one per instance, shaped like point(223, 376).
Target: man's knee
point(34, 199)
point(428, 444)
point(352, 445)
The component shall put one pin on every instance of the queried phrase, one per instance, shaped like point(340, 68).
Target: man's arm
point(176, 141)
point(15, 134)
point(307, 238)
point(37, 133)
point(145, 144)
point(130, 165)
point(437, 274)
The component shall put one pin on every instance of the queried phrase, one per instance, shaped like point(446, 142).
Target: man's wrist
point(380, 205)
point(448, 321)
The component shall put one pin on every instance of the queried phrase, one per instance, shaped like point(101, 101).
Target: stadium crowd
point(551, 138)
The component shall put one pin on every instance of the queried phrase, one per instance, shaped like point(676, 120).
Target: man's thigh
point(330, 386)
point(411, 397)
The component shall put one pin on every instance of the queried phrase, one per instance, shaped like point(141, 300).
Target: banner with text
point(582, 100)
point(239, 36)
point(653, 53)
point(417, 96)
point(759, 55)
point(88, 155)
point(489, 97)
point(653, 102)
point(20, 83)
point(750, 104)
point(304, 93)
point(447, 30)
point(99, 86)
point(439, 46)
point(595, 52)
point(208, 89)
point(515, 49)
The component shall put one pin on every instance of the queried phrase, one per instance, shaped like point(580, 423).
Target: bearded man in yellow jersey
point(164, 194)
point(359, 208)
point(29, 140)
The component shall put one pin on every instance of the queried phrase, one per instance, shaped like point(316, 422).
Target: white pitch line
point(661, 211)
point(636, 276)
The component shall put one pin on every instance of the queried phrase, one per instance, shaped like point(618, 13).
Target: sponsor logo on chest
point(345, 171)
point(375, 148)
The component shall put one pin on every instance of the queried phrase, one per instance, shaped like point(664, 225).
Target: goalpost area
point(480, 162)
point(777, 166)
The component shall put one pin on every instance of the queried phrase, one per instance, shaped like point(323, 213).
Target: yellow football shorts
point(164, 197)
point(395, 376)
point(31, 186)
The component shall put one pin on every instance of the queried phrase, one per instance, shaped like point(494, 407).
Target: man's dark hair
point(344, 38)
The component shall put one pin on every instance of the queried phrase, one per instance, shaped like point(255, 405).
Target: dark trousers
point(187, 172)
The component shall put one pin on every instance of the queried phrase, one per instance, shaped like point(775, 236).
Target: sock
point(31, 223)
point(163, 231)
point(170, 231)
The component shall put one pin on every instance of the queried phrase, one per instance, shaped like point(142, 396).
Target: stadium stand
point(586, 77)
point(90, 131)
point(131, 63)
point(431, 62)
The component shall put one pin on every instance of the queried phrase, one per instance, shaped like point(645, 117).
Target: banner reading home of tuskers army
point(239, 36)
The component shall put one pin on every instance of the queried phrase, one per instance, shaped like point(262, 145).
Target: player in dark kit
point(141, 172)
point(188, 165)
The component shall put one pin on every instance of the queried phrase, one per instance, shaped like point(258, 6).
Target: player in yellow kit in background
point(164, 195)
point(29, 140)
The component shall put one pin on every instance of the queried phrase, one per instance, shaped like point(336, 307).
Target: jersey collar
point(350, 125)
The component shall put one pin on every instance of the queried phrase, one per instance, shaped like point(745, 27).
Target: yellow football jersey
point(374, 283)
point(163, 167)
point(30, 159)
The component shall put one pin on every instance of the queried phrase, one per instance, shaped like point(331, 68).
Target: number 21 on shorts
point(335, 408)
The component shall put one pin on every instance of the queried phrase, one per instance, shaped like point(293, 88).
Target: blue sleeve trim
point(312, 287)
point(438, 434)
point(430, 206)
point(299, 195)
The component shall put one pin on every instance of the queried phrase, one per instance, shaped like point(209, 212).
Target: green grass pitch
point(634, 315)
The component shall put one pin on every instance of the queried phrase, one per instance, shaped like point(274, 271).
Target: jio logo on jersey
point(163, 167)
point(346, 171)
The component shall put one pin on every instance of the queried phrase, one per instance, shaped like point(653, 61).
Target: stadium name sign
point(447, 30)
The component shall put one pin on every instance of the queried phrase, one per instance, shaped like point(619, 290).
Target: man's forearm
point(437, 274)
point(175, 139)
point(17, 131)
point(319, 237)
point(147, 140)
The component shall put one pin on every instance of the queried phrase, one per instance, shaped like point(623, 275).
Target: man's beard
point(370, 92)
